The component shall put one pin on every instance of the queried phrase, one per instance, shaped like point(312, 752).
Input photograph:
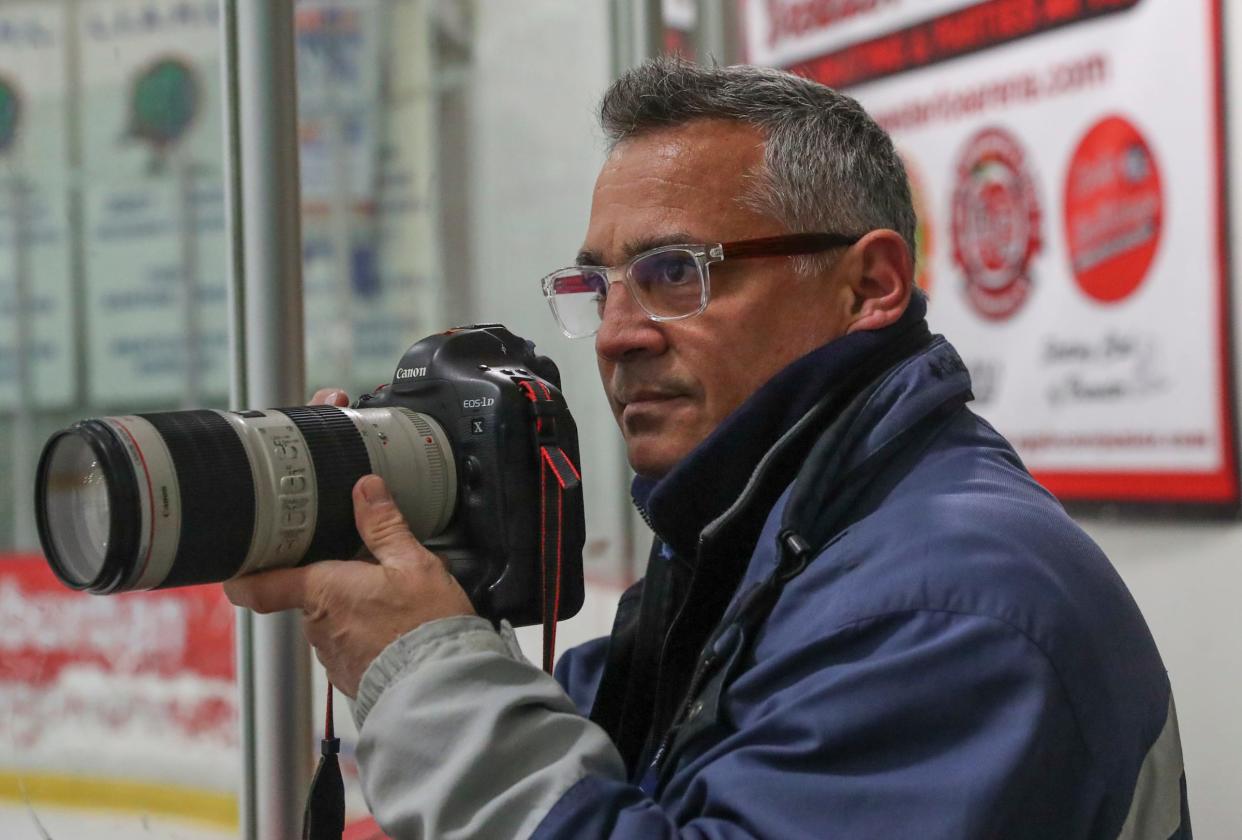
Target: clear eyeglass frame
point(788, 245)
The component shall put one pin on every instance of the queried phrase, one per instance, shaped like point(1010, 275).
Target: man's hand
point(352, 610)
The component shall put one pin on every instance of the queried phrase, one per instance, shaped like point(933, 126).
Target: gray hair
point(827, 165)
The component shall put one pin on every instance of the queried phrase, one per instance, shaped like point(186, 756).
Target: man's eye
point(665, 270)
point(676, 272)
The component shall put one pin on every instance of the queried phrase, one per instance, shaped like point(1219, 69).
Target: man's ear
point(880, 279)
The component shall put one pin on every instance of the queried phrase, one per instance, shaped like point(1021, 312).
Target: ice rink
point(19, 822)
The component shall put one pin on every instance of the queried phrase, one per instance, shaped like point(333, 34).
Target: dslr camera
point(472, 437)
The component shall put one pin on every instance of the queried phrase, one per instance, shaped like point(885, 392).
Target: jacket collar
point(708, 480)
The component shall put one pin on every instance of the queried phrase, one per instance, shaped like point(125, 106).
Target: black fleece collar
point(708, 480)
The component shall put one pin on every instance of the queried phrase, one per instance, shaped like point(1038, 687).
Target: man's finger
point(381, 524)
point(268, 592)
point(330, 396)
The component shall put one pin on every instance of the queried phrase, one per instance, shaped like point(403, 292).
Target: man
point(861, 617)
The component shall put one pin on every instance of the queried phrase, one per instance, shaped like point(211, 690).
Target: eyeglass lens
point(578, 300)
point(667, 284)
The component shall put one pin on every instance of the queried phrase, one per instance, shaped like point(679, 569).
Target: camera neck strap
point(557, 476)
point(324, 817)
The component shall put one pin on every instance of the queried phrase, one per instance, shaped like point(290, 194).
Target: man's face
point(671, 383)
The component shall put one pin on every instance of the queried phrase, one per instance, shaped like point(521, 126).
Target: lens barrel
point(202, 496)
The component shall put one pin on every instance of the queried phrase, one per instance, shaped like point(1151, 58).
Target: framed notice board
point(1068, 165)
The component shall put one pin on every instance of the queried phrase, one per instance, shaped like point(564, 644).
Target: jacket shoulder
point(961, 528)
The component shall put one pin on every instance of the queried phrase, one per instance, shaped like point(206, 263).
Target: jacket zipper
point(795, 554)
point(696, 682)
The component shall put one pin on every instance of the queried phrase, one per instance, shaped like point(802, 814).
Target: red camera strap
point(557, 475)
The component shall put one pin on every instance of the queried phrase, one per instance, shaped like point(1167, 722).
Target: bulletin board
point(36, 313)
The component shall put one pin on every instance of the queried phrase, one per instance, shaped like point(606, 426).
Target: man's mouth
point(643, 397)
point(643, 408)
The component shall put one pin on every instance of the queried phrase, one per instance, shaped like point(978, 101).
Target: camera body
point(500, 405)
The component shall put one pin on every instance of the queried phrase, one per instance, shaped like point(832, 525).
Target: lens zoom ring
point(340, 458)
point(217, 495)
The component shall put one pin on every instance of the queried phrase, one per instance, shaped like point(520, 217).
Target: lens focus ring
point(340, 457)
point(213, 471)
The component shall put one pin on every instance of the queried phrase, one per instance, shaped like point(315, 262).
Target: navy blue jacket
point(957, 660)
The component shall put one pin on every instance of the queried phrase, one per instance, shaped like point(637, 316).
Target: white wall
point(1187, 580)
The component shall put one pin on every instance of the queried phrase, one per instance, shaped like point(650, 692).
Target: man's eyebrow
point(634, 247)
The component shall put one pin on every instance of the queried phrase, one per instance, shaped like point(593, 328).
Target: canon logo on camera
point(410, 373)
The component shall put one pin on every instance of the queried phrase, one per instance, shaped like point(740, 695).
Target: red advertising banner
point(959, 33)
point(140, 681)
point(131, 687)
point(1071, 195)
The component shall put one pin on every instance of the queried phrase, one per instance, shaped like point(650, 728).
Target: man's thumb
point(381, 524)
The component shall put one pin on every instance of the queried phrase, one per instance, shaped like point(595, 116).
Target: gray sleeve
point(460, 736)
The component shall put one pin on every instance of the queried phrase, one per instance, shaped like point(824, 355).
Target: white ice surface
point(94, 722)
point(16, 823)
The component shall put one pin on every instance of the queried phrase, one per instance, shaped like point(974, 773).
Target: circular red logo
point(996, 223)
point(1114, 209)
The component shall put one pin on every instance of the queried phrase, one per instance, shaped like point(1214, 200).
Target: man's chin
point(653, 458)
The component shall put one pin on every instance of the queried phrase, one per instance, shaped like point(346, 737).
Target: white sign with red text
point(1070, 193)
point(783, 32)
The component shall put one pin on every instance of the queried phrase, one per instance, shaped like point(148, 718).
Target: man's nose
point(625, 330)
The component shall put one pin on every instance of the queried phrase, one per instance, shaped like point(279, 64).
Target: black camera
point(472, 437)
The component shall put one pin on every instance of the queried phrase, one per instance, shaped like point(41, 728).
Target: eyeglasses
point(670, 282)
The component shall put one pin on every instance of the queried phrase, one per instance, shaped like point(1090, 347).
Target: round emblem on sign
point(1114, 209)
point(164, 102)
point(996, 223)
point(10, 114)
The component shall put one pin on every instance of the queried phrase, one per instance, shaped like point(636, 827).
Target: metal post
point(77, 205)
point(264, 209)
point(244, 635)
point(621, 28)
point(340, 215)
point(637, 32)
point(20, 192)
point(649, 28)
point(718, 31)
point(184, 170)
